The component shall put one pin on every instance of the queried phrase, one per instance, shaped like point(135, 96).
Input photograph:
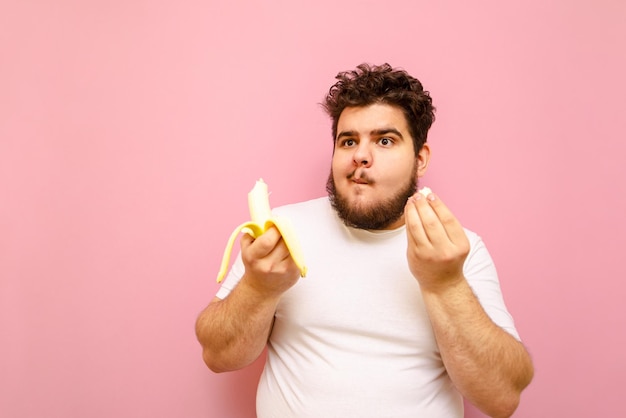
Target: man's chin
point(357, 199)
point(358, 207)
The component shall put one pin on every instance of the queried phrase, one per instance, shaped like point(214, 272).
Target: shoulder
point(308, 207)
point(311, 219)
point(478, 256)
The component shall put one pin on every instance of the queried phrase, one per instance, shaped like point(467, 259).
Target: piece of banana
point(425, 191)
point(260, 221)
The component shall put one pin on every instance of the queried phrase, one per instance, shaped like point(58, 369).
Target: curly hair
point(369, 84)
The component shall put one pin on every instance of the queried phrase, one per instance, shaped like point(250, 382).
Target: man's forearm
point(487, 365)
point(233, 332)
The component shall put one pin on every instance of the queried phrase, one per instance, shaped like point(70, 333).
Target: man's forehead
point(371, 119)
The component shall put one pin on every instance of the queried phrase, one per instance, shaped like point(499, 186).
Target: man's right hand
point(270, 270)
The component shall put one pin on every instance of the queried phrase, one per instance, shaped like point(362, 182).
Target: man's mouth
point(360, 179)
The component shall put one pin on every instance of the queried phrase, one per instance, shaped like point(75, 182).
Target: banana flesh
point(261, 220)
point(425, 191)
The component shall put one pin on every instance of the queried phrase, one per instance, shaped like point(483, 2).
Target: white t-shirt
point(353, 338)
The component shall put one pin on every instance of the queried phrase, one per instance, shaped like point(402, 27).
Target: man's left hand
point(437, 244)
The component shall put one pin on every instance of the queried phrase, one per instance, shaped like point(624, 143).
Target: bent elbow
point(213, 363)
point(508, 403)
point(221, 362)
point(506, 408)
point(505, 404)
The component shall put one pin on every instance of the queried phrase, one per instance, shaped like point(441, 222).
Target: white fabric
point(353, 338)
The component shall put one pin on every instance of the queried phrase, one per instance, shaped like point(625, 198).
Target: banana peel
point(261, 220)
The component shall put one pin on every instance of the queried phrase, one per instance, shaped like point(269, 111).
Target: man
point(400, 314)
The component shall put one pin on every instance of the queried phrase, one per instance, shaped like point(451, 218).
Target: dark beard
point(377, 217)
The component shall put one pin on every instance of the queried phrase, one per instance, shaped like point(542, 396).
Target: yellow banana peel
point(260, 221)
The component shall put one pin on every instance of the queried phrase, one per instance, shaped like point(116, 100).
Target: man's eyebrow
point(375, 132)
point(347, 133)
point(385, 131)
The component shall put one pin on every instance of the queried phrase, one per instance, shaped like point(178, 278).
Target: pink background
point(131, 131)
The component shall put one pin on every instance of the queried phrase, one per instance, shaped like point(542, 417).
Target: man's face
point(374, 167)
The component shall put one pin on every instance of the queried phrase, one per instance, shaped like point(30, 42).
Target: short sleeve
point(232, 278)
point(481, 274)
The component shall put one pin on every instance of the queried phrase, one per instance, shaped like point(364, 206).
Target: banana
point(260, 221)
point(425, 191)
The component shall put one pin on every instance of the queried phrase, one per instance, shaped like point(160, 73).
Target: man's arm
point(487, 365)
point(233, 331)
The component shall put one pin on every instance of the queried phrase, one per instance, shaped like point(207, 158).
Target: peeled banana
point(425, 191)
point(260, 221)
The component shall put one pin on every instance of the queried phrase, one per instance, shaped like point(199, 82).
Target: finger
point(451, 225)
point(262, 245)
point(414, 225)
point(432, 225)
point(245, 241)
point(279, 249)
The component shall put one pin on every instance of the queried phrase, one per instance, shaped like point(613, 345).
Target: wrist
point(445, 288)
point(257, 291)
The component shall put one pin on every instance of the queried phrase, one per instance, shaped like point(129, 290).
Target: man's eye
point(385, 141)
point(348, 142)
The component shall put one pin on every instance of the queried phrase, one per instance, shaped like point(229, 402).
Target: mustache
point(361, 177)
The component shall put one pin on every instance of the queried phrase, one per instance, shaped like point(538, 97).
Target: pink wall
point(131, 131)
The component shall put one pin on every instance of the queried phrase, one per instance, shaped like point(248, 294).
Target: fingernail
point(431, 197)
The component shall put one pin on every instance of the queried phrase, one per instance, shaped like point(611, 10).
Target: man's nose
point(362, 156)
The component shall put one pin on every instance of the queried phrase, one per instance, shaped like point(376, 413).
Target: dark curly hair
point(369, 84)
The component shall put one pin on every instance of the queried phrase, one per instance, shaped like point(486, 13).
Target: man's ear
point(423, 157)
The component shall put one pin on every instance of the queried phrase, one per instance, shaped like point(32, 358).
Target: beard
point(378, 215)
